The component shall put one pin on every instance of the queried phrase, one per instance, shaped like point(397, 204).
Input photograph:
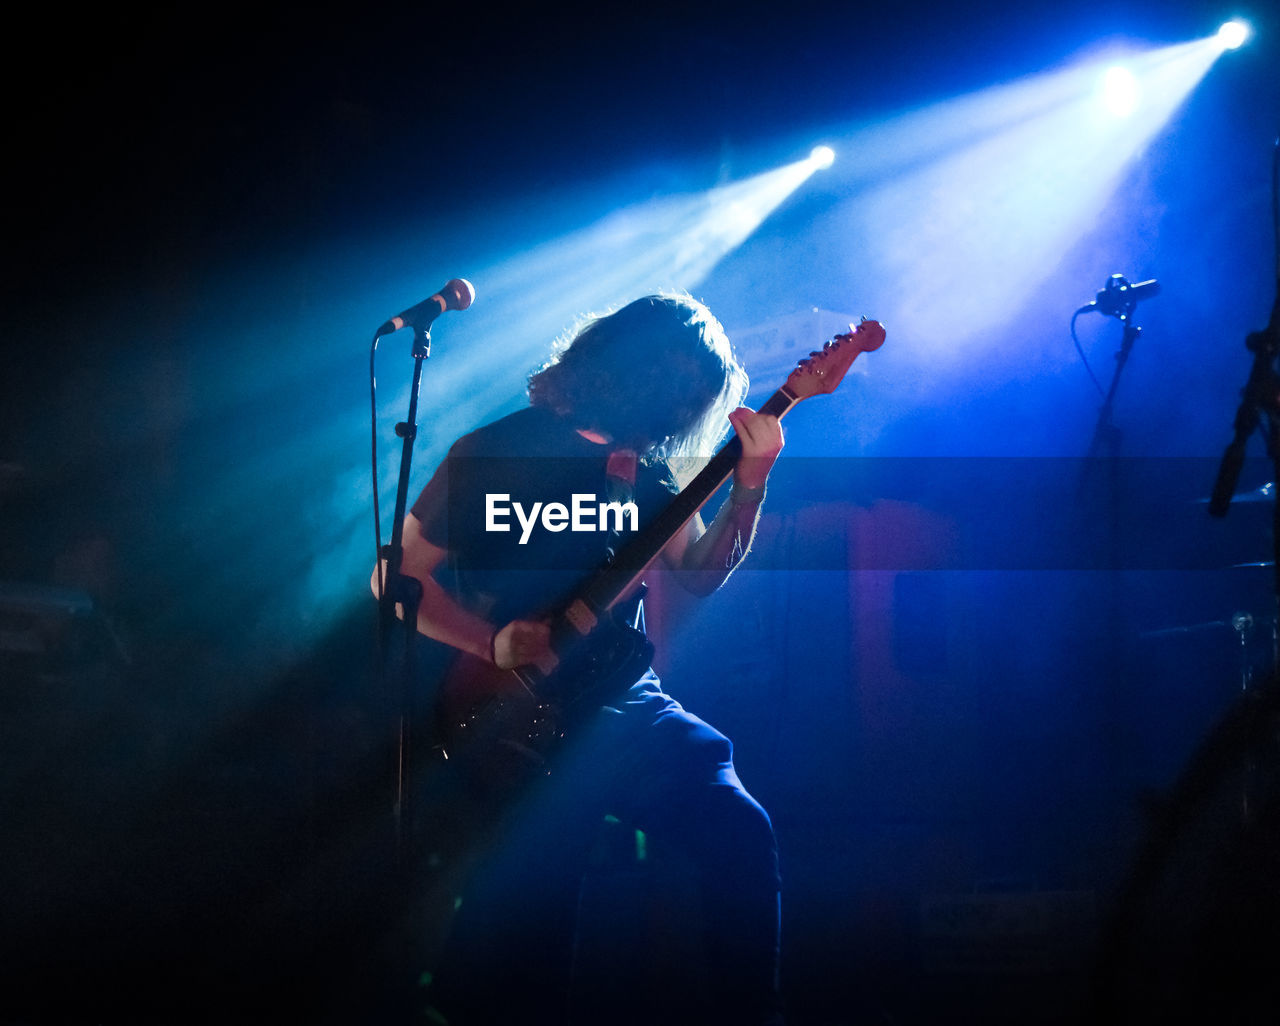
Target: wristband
point(740, 496)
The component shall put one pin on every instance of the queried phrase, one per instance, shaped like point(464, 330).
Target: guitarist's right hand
point(524, 643)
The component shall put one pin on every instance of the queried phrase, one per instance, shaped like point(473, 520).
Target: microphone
point(1118, 298)
point(457, 294)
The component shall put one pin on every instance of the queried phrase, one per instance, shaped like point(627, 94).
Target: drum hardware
point(1242, 624)
point(1263, 493)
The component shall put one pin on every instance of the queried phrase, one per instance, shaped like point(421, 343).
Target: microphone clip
point(1118, 298)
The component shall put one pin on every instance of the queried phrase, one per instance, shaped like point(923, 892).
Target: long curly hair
point(658, 375)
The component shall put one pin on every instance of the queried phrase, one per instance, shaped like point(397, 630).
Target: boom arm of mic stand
point(1261, 395)
point(1261, 392)
point(1246, 422)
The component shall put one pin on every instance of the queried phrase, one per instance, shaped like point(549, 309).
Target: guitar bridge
point(581, 618)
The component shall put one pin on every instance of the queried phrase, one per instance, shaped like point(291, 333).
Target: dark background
point(964, 755)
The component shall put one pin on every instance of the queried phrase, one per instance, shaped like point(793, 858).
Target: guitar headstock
point(824, 369)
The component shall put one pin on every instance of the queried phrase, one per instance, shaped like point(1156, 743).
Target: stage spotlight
point(1120, 91)
point(1232, 35)
point(1034, 163)
point(822, 157)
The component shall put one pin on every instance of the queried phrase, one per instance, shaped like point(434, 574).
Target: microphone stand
point(405, 591)
point(1260, 399)
point(1107, 434)
point(1105, 430)
point(399, 589)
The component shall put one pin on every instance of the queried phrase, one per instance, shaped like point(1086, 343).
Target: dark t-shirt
point(494, 477)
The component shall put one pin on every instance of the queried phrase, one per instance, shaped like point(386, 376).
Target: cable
point(373, 420)
point(1080, 349)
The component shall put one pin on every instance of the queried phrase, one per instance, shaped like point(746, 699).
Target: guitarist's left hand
point(761, 437)
point(707, 556)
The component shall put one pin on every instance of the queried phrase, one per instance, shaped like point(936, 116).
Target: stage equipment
point(1260, 401)
point(456, 294)
point(822, 157)
point(1263, 493)
point(1233, 35)
point(1116, 299)
point(1261, 392)
point(397, 588)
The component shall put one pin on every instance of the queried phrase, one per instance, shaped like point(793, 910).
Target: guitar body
point(504, 726)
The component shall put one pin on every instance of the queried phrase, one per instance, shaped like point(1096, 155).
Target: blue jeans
point(664, 771)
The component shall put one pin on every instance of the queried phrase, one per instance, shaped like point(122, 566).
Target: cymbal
point(1192, 628)
point(1241, 622)
point(1263, 493)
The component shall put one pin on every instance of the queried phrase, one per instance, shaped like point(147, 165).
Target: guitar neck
point(612, 582)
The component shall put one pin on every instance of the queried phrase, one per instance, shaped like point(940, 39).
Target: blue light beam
point(669, 242)
point(975, 201)
point(1120, 91)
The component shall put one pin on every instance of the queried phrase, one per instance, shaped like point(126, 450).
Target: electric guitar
point(505, 724)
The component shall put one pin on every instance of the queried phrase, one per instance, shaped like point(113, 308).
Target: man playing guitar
point(629, 395)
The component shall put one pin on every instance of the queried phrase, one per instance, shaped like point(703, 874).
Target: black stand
point(1187, 835)
point(1105, 431)
point(1260, 400)
point(401, 590)
point(1260, 397)
point(1106, 435)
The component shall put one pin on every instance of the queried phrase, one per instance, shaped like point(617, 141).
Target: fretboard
point(613, 581)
